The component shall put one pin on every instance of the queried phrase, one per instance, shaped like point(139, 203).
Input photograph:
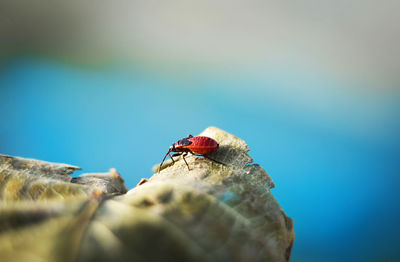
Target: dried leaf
point(214, 212)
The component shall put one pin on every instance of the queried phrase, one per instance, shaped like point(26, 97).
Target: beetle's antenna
point(162, 162)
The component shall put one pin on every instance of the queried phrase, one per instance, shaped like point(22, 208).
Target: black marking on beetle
point(183, 142)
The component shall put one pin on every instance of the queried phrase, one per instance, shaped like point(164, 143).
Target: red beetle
point(196, 145)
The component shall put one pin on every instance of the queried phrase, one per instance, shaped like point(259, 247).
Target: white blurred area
point(354, 40)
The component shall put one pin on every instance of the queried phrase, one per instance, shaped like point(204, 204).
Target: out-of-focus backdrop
point(312, 86)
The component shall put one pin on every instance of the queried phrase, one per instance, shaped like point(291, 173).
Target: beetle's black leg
point(216, 161)
point(173, 161)
point(183, 156)
point(209, 158)
point(176, 154)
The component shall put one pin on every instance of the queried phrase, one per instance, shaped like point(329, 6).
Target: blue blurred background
point(312, 87)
